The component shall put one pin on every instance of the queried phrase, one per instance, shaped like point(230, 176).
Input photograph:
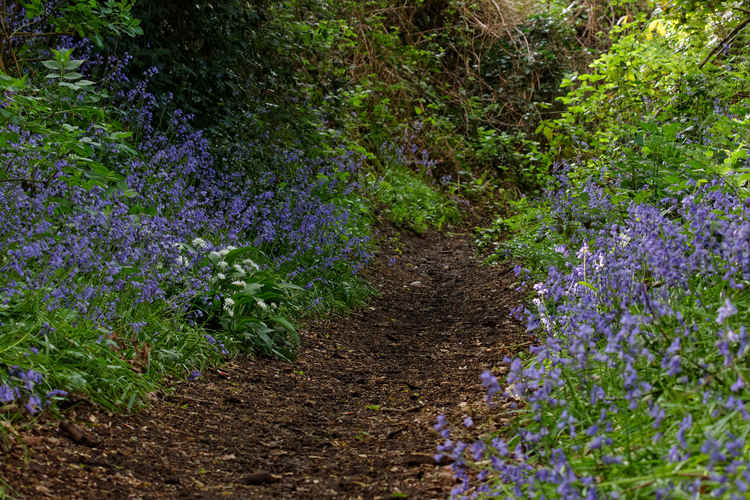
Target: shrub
point(637, 387)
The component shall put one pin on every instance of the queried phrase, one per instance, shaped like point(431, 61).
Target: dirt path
point(351, 419)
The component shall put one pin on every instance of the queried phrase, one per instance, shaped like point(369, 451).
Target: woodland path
point(352, 418)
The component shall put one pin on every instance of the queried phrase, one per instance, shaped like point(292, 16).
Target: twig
point(728, 39)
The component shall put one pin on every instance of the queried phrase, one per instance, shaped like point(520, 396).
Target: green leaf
point(284, 323)
point(72, 64)
point(54, 65)
point(70, 85)
point(589, 286)
point(250, 289)
point(117, 136)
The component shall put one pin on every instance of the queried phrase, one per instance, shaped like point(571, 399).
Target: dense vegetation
point(181, 183)
point(638, 259)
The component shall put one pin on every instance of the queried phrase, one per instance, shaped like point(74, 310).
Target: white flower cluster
point(236, 273)
point(200, 244)
point(229, 306)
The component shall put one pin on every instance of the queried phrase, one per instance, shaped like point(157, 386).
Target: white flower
point(624, 239)
point(221, 276)
point(543, 317)
point(229, 306)
point(182, 261)
point(222, 265)
point(250, 263)
point(239, 283)
point(226, 250)
point(214, 255)
point(261, 303)
point(541, 290)
point(200, 243)
point(240, 272)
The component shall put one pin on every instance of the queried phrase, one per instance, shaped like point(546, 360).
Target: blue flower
point(726, 311)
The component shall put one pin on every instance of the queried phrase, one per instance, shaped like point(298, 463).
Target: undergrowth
point(637, 264)
point(410, 202)
point(151, 228)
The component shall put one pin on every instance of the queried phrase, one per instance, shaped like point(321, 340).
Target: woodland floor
point(352, 418)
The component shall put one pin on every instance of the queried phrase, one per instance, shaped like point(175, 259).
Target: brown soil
point(352, 418)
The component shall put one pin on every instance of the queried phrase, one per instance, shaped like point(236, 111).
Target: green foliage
point(474, 84)
point(652, 114)
point(644, 122)
point(81, 139)
point(531, 240)
point(89, 18)
point(27, 40)
point(251, 305)
point(114, 366)
point(410, 202)
point(513, 157)
point(213, 57)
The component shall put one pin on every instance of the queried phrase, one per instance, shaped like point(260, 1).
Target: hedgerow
point(637, 259)
point(177, 186)
point(132, 247)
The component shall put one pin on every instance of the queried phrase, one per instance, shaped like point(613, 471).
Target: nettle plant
point(81, 143)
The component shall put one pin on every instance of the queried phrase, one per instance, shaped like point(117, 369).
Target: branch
point(728, 39)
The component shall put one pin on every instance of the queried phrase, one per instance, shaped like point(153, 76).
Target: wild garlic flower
point(221, 276)
point(239, 270)
point(200, 243)
point(239, 283)
point(226, 250)
point(229, 306)
point(249, 263)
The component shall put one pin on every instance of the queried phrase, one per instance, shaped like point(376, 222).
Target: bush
point(639, 260)
point(107, 231)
